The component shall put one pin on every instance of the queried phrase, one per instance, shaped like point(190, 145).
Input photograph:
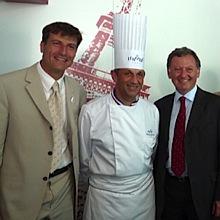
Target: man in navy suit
point(194, 193)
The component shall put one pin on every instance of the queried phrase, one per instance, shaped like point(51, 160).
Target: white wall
point(171, 24)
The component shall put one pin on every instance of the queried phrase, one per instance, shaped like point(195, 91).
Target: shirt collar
point(189, 95)
point(47, 80)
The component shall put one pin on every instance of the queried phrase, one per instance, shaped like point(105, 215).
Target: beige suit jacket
point(26, 139)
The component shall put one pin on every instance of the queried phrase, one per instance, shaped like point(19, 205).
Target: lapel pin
point(72, 99)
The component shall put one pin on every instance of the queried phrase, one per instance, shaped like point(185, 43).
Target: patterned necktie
point(55, 107)
point(178, 151)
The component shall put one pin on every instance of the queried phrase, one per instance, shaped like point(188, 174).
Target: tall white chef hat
point(129, 32)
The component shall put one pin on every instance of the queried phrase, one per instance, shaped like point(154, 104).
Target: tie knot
point(55, 87)
point(182, 99)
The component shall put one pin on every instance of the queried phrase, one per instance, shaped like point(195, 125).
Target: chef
point(118, 134)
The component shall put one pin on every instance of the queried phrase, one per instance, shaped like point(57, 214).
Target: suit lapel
point(197, 110)
point(70, 103)
point(35, 89)
point(167, 115)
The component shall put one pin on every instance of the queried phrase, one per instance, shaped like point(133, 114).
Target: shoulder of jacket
point(164, 99)
point(147, 103)
point(98, 101)
point(17, 74)
point(76, 83)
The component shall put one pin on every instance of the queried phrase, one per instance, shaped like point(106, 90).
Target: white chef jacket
point(116, 147)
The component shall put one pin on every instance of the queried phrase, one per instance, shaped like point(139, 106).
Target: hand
point(216, 209)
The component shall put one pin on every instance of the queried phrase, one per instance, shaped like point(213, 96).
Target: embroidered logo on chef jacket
point(150, 133)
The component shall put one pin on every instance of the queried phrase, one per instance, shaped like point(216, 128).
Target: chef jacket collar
point(118, 102)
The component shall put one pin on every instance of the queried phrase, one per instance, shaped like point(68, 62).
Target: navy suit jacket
point(202, 152)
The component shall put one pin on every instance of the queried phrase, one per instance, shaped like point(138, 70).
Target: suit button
point(51, 128)
point(44, 178)
point(50, 153)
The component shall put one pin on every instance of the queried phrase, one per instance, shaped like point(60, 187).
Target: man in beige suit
point(29, 188)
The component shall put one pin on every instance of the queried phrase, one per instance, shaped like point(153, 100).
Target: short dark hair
point(180, 52)
point(65, 29)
